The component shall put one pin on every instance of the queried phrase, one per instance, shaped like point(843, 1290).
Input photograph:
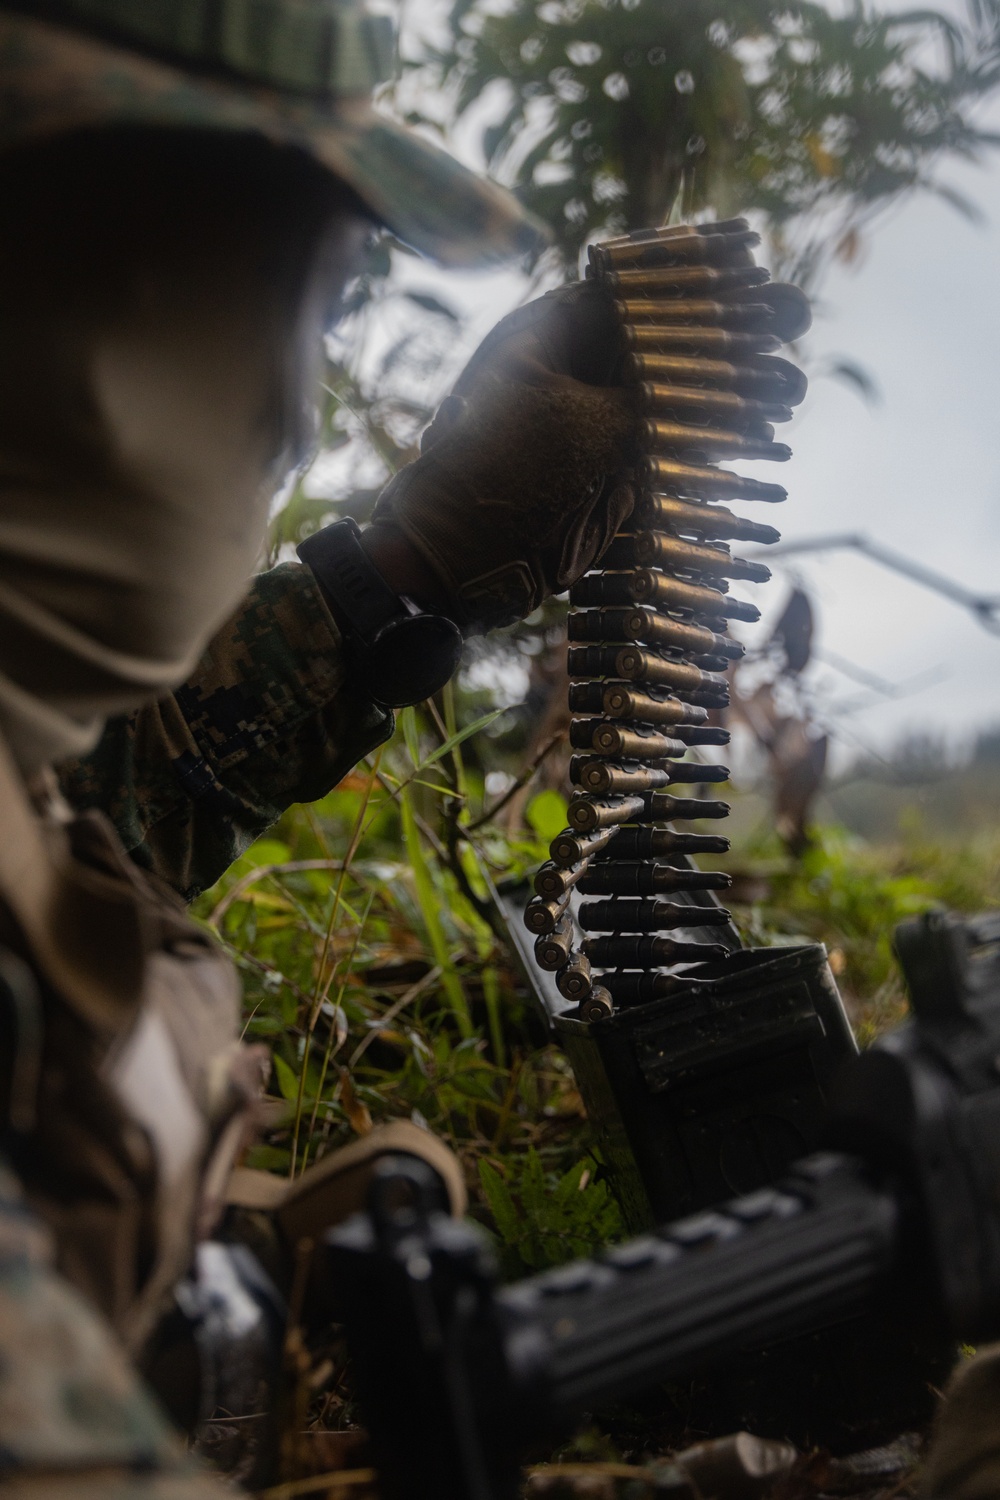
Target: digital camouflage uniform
point(269, 719)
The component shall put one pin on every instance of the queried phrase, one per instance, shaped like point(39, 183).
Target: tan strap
point(84, 930)
point(337, 1186)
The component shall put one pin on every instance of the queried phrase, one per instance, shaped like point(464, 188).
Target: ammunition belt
point(648, 641)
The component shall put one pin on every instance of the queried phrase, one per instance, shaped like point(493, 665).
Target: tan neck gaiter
point(159, 330)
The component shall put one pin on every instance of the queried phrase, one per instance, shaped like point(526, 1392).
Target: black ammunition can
point(717, 1089)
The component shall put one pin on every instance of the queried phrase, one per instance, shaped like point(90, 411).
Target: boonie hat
point(298, 71)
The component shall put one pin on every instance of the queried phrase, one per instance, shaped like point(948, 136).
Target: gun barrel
point(779, 1262)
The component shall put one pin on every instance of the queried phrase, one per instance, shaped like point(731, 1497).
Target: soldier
point(186, 189)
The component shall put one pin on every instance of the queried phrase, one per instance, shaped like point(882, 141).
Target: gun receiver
point(456, 1375)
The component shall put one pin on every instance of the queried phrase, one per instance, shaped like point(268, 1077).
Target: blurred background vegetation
point(373, 961)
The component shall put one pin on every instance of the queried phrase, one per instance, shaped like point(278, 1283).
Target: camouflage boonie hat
point(298, 71)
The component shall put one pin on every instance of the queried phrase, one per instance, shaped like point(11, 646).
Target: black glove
point(524, 475)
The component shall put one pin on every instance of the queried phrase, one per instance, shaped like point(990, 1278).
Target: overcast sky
point(920, 471)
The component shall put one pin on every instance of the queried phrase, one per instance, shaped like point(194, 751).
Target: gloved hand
point(523, 478)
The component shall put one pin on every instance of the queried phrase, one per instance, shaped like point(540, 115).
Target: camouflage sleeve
point(75, 1422)
point(267, 719)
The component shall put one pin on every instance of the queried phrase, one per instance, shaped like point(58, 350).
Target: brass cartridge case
point(611, 738)
point(623, 743)
point(709, 520)
point(553, 881)
point(542, 917)
point(710, 442)
point(588, 814)
point(656, 549)
point(602, 778)
point(614, 878)
point(570, 848)
point(655, 336)
point(679, 281)
point(637, 306)
point(657, 843)
point(650, 586)
point(647, 952)
point(663, 232)
point(647, 586)
point(575, 980)
point(650, 626)
point(771, 381)
point(597, 1005)
point(708, 484)
point(623, 914)
point(651, 251)
point(553, 949)
point(636, 665)
point(607, 778)
point(737, 412)
point(619, 700)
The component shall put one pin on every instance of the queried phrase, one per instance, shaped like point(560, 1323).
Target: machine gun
point(458, 1375)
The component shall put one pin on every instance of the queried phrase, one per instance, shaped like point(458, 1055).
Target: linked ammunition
point(586, 814)
point(678, 281)
point(570, 848)
point(642, 745)
point(542, 917)
point(656, 337)
point(761, 379)
point(553, 949)
point(597, 1005)
point(603, 777)
point(574, 980)
point(622, 914)
point(650, 586)
point(701, 405)
point(707, 520)
point(618, 700)
point(650, 626)
point(618, 878)
point(657, 843)
point(708, 484)
point(635, 308)
point(654, 549)
point(663, 232)
point(630, 744)
point(553, 881)
point(708, 442)
point(644, 952)
point(638, 587)
point(637, 665)
point(687, 247)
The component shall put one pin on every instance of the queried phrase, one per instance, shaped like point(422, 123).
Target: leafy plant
point(606, 111)
point(543, 1218)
